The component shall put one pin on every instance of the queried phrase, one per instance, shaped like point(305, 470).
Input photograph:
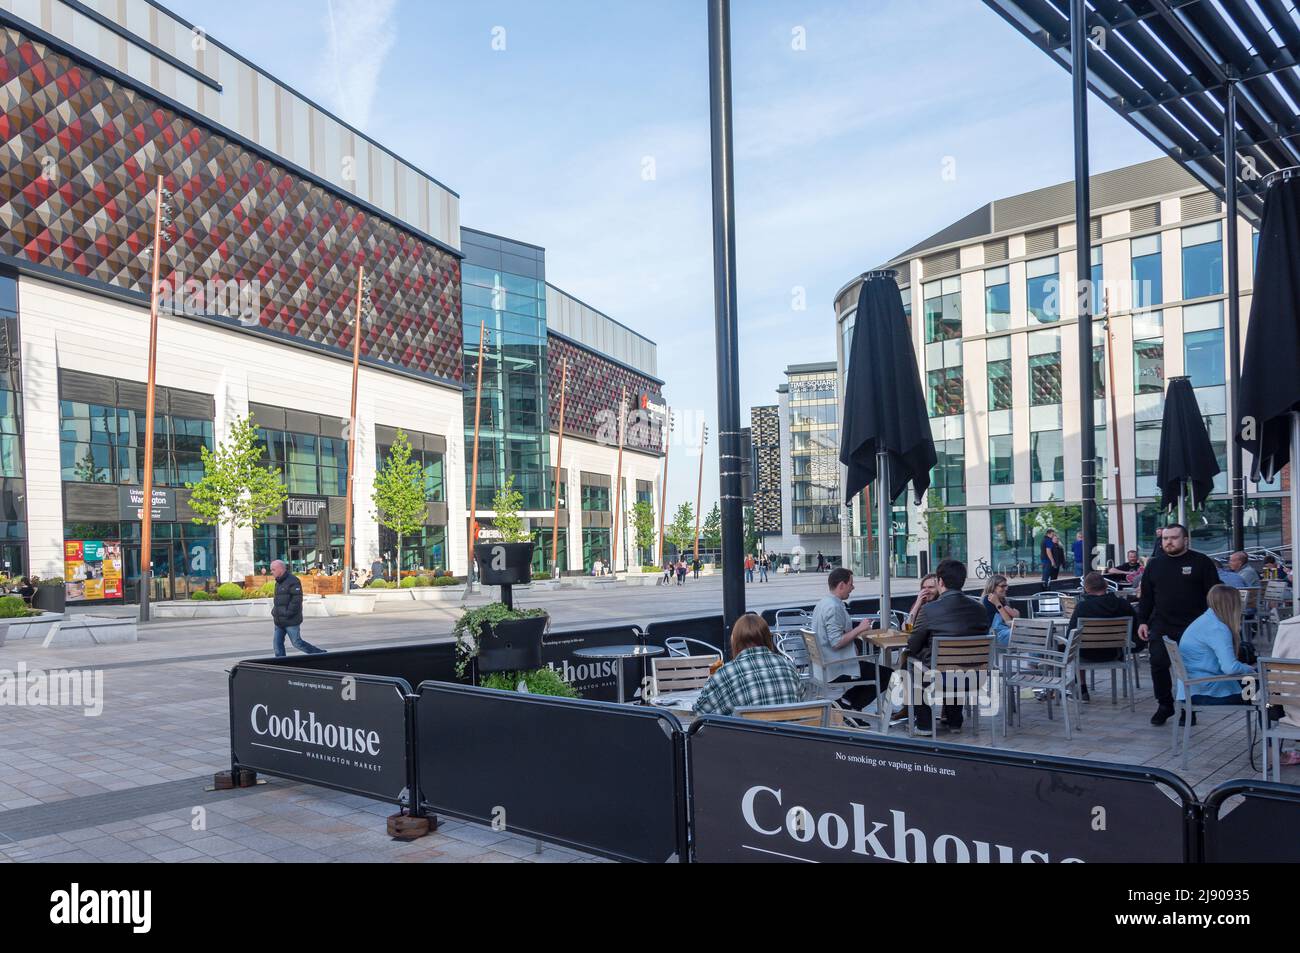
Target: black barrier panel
point(595, 679)
point(426, 662)
point(763, 792)
point(347, 732)
point(1252, 822)
point(704, 628)
point(598, 777)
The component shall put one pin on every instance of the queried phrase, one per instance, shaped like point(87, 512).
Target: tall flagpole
point(146, 507)
point(618, 482)
point(667, 432)
point(473, 480)
point(559, 452)
point(323, 545)
point(699, 487)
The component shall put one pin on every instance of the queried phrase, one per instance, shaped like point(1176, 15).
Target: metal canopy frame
point(1213, 83)
point(1166, 67)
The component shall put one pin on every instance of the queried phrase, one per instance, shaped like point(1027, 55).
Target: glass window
point(945, 392)
point(1045, 379)
point(1047, 465)
point(595, 498)
point(1204, 358)
point(1094, 257)
point(1148, 285)
point(1202, 260)
point(997, 299)
point(1001, 460)
point(942, 310)
point(1000, 387)
point(1042, 286)
point(949, 473)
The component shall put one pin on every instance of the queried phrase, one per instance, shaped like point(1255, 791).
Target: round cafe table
point(619, 652)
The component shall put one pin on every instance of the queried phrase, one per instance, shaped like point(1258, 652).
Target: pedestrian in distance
point(681, 572)
point(1047, 554)
point(762, 568)
point(749, 569)
point(286, 611)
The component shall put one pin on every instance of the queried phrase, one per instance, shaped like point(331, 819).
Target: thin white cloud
point(360, 35)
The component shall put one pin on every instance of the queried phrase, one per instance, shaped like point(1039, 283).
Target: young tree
point(938, 525)
point(681, 531)
point(712, 531)
point(236, 488)
point(643, 526)
point(506, 505)
point(751, 531)
point(399, 493)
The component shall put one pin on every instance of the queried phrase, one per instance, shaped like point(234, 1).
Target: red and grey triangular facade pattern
point(595, 389)
point(79, 158)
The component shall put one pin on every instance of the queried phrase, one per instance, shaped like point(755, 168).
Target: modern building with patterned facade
point(765, 428)
point(797, 470)
point(276, 206)
point(996, 344)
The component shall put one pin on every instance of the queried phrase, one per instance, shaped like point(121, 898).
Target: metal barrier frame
point(667, 720)
point(1191, 806)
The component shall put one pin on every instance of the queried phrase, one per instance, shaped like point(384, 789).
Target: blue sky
point(840, 146)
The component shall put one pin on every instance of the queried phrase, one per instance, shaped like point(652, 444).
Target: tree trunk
point(399, 559)
point(231, 576)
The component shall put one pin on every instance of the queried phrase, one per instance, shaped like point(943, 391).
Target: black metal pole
point(1236, 475)
point(724, 316)
point(1083, 269)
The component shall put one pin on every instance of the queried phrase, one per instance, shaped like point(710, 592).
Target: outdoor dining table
point(885, 641)
point(620, 652)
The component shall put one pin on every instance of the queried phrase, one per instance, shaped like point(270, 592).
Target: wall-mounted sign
point(130, 504)
point(303, 509)
point(648, 402)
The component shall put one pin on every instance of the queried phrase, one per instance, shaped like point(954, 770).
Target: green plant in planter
point(408, 582)
point(423, 581)
point(469, 628)
point(200, 595)
point(506, 504)
point(542, 681)
point(51, 581)
point(230, 591)
point(12, 607)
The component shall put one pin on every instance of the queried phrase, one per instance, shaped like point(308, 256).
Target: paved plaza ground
point(131, 784)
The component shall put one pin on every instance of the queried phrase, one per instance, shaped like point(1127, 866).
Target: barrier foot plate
point(227, 780)
point(401, 826)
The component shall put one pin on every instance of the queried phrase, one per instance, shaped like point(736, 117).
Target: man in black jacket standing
point(1174, 587)
point(286, 611)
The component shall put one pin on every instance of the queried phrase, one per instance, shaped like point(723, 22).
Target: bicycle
point(982, 569)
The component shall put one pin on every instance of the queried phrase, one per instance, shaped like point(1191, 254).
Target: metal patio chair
point(1187, 709)
point(679, 647)
point(1051, 669)
point(816, 714)
point(1279, 685)
point(950, 655)
point(1116, 634)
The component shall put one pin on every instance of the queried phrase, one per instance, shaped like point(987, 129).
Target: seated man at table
point(835, 633)
point(1100, 603)
point(756, 675)
point(953, 614)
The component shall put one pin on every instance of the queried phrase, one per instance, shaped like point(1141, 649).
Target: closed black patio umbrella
point(1268, 424)
point(1186, 455)
point(886, 427)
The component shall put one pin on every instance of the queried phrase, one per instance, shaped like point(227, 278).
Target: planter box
point(313, 607)
point(50, 598)
point(33, 627)
point(512, 646)
point(354, 603)
point(504, 564)
point(91, 630)
point(311, 585)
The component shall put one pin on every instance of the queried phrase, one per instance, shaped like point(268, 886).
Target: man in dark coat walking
point(286, 611)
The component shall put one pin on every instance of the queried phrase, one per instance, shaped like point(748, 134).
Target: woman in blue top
point(1209, 647)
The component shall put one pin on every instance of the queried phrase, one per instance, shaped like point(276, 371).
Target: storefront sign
point(130, 504)
point(304, 508)
point(92, 569)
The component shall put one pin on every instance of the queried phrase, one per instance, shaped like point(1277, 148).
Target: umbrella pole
point(1182, 507)
point(882, 506)
point(1295, 508)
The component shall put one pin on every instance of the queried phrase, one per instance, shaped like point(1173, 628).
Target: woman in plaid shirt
point(756, 675)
